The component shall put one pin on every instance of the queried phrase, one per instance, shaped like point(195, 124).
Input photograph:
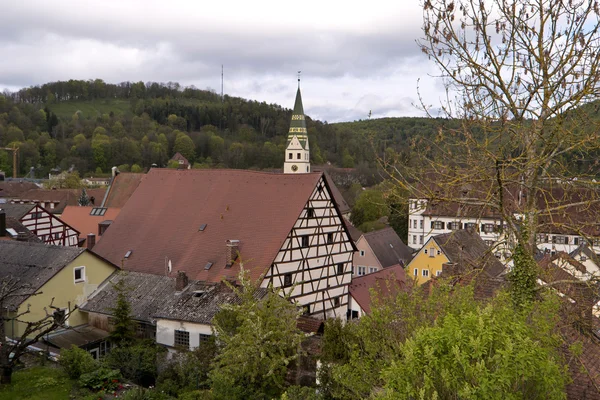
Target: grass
point(38, 383)
point(91, 108)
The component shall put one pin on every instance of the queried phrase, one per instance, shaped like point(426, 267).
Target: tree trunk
point(6, 377)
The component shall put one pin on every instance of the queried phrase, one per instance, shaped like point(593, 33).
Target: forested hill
point(95, 125)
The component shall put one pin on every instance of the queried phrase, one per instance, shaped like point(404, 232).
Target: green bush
point(145, 394)
point(76, 361)
point(101, 379)
point(137, 362)
point(196, 395)
point(300, 393)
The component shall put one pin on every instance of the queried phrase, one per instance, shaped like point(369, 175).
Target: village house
point(90, 222)
point(181, 161)
point(46, 226)
point(462, 247)
point(55, 200)
point(61, 276)
point(378, 250)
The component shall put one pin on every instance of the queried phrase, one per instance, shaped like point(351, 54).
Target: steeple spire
point(297, 158)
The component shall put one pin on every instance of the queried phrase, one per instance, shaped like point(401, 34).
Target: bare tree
point(12, 292)
point(523, 143)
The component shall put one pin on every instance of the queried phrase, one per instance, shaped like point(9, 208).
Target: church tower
point(297, 153)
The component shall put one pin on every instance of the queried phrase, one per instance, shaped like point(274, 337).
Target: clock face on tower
point(294, 168)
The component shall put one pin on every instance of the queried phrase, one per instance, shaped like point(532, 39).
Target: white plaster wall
point(165, 331)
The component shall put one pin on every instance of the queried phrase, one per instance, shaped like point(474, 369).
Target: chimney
point(233, 246)
point(2, 223)
point(115, 171)
point(181, 281)
point(91, 241)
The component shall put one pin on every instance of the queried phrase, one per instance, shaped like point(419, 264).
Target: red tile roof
point(121, 189)
point(162, 218)
point(64, 197)
point(360, 287)
point(80, 219)
point(11, 189)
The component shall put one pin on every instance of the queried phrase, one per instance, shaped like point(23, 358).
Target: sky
point(355, 57)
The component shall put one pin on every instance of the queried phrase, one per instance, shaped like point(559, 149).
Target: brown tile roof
point(121, 188)
point(80, 219)
point(310, 325)
point(14, 224)
point(16, 211)
point(337, 195)
point(12, 189)
point(469, 250)
point(386, 282)
point(388, 247)
point(163, 217)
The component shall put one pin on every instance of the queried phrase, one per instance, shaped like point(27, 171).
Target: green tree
point(123, 327)
point(369, 207)
point(259, 340)
point(476, 354)
point(84, 200)
point(136, 168)
point(185, 145)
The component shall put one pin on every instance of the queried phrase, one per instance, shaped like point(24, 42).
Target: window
point(416, 272)
point(336, 302)
point(298, 156)
point(432, 252)
point(415, 224)
point(488, 228)
point(439, 252)
point(437, 225)
point(425, 251)
point(542, 238)
point(425, 272)
point(330, 237)
point(79, 274)
point(421, 239)
point(310, 213)
point(362, 271)
point(290, 156)
point(306, 309)
point(414, 239)
point(576, 240)
point(362, 253)
point(438, 273)
point(340, 269)
point(596, 241)
point(583, 258)
point(182, 338)
point(36, 215)
point(287, 280)
point(56, 236)
point(560, 239)
point(304, 240)
point(490, 243)
point(203, 338)
point(421, 224)
point(372, 269)
point(453, 225)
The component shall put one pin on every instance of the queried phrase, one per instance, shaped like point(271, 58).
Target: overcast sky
point(354, 56)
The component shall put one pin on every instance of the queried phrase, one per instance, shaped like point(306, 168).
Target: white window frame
point(372, 269)
point(414, 239)
point(438, 224)
point(416, 272)
point(362, 253)
point(432, 252)
point(362, 269)
point(421, 224)
point(438, 273)
point(82, 269)
point(421, 239)
point(425, 273)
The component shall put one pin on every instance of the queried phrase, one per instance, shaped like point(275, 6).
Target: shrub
point(196, 395)
point(76, 361)
point(145, 394)
point(137, 362)
point(101, 379)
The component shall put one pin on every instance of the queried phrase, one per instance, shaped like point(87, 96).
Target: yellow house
point(60, 276)
point(460, 247)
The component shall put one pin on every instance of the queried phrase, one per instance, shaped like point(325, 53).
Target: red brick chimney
point(91, 241)
point(233, 246)
point(181, 281)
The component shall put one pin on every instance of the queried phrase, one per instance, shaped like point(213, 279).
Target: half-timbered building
point(43, 224)
point(281, 228)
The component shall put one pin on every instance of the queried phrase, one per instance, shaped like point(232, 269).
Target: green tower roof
point(298, 124)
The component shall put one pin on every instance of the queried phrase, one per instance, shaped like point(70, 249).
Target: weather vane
point(299, 72)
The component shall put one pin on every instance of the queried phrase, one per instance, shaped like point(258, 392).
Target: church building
point(297, 153)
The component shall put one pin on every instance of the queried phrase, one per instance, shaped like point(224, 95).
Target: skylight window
point(202, 228)
point(11, 232)
point(128, 254)
point(98, 211)
point(208, 265)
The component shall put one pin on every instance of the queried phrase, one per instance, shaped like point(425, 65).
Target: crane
point(15, 151)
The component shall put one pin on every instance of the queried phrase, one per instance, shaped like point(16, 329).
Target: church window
point(290, 156)
point(299, 156)
point(79, 274)
point(304, 240)
point(287, 280)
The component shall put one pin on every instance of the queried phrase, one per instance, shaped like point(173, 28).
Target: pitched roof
point(81, 219)
point(354, 232)
point(33, 264)
point(64, 197)
point(469, 250)
point(178, 156)
point(16, 211)
point(11, 189)
point(18, 227)
point(155, 296)
point(335, 192)
point(388, 247)
point(162, 218)
point(360, 287)
point(121, 188)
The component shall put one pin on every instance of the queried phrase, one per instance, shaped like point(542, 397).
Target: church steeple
point(297, 153)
